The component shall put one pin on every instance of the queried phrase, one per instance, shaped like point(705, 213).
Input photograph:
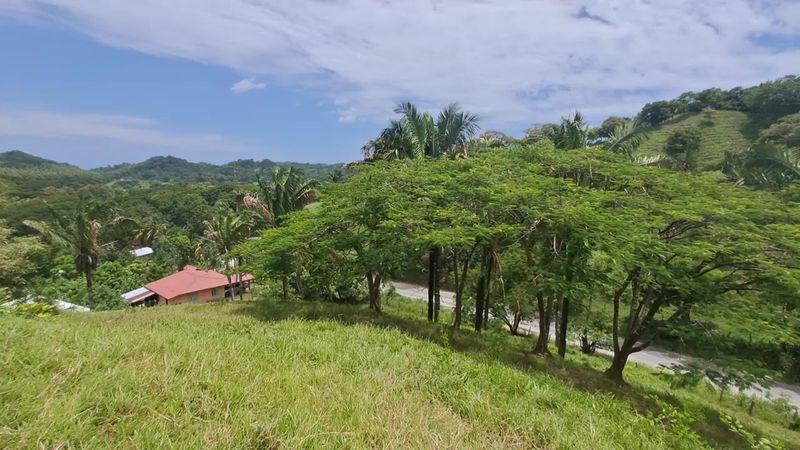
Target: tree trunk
point(458, 281)
point(437, 297)
point(545, 311)
point(299, 287)
point(90, 288)
point(618, 365)
point(562, 338)
point(431, 281)
point(488, 290)
point(461, 282)
point(239, 279)
point(515, 324)
point(374, 284)
point(556, 319)
point(481, 288)
point(285, 282)
point(620, 353)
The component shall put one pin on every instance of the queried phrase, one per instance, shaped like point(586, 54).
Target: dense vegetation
point(26, 176)
point(676, 228)
point(93, 224)
point(538, 230)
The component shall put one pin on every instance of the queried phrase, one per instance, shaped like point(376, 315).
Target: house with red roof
point(190, 285)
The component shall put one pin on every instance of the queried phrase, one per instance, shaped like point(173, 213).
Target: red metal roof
point(189, 280)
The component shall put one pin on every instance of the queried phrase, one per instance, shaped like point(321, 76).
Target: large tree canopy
point(647, 240)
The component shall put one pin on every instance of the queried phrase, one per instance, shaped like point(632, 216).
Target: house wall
point(206, 296)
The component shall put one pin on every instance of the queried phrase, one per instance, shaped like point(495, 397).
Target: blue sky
point(98, 82)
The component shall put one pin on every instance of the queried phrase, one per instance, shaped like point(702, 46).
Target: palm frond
point(626, 138)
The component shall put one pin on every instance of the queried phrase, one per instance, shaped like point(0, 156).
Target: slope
point(721, 131)
point(302, 375)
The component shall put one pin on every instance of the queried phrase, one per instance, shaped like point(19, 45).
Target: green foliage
point(417, 134)
point(774, 98)
point(786, 132)
point(720, 131)
point(658, 112)
point(611, 124)
point(755, 442)
point(770, 100)
point(286, 191)
point(79, 234)
point(34, 310)
point(29, 176)
point(171, 169)
point(16, 265)
point(677, 422)
point(683, 145)
point(573, 132)
point(591, 224)
point(625, 138)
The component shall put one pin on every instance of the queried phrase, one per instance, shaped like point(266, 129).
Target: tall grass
point(298, 375)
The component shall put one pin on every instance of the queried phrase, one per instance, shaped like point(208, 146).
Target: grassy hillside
point(721, 131)
point(310, 375)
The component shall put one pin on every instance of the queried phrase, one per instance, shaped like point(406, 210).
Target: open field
point(311, 375)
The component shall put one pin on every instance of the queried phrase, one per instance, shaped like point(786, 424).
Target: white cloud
point(247, 85)
point(511, 61)
point(131, 130)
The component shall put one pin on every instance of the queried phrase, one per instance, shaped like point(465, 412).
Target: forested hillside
point(167, 168)
point(25, 175)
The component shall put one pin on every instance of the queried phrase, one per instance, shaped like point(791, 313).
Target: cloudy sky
point(96, 82)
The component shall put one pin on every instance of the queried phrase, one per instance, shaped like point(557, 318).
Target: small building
point(142, 251)
point(190, 285)
point(141, 297)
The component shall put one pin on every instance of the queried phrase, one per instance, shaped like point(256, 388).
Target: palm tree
point(767, 165)
point(286, 191)
point(417, 134)
point(226, 232)
point(572, 133)
point(80, 234)
point(626, 138)
point(336, 176)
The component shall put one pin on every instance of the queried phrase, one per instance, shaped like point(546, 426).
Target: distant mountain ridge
point(16, 159)
point(168, 168)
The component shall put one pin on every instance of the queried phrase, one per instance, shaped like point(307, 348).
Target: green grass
point(721, 131)
point(314, 375)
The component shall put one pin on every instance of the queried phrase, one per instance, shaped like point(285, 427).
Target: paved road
point(651, 357)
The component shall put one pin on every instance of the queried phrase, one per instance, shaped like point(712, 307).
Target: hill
point(312, 375)
point(25, 175)
point(16, 159)
point(169, 168)
point(721, 131)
